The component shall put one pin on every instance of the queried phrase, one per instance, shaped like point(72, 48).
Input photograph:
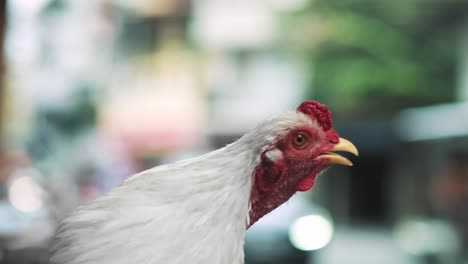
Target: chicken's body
point(201, 221)
point(194, 211)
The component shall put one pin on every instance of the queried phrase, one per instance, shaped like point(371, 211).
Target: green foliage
point(374, 57)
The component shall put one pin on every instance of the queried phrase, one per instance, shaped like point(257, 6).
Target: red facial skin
point(276, 181)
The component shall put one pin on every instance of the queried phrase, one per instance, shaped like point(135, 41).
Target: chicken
point(198, 210)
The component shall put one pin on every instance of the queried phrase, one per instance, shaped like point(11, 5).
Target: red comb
point(318, 112)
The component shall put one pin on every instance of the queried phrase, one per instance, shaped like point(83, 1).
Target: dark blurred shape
point(65, 122)
point(80, 114)
point(448, 192)
point(368, 177)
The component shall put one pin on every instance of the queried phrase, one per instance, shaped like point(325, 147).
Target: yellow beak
point(342, 145)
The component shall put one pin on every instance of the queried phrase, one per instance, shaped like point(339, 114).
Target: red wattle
point(305, 184)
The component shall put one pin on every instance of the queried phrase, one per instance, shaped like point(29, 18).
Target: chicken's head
point(302, 147)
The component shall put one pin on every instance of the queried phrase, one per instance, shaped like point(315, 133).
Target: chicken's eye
point(300, 140)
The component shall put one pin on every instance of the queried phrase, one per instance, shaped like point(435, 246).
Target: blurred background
point(93, 91)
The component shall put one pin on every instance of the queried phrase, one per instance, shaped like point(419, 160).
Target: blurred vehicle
point(290, 234)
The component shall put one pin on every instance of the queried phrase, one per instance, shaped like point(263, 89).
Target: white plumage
point(195, 211)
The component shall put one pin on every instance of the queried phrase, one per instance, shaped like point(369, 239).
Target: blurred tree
point(368, 57)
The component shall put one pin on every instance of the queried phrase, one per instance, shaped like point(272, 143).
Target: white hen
point(197, 211)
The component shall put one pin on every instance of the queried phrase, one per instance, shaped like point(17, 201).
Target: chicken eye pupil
point(300, 140)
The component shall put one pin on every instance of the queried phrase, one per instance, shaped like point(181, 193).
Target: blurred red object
point(12, 160)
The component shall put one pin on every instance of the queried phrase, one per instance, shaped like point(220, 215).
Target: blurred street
point(92, 92)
